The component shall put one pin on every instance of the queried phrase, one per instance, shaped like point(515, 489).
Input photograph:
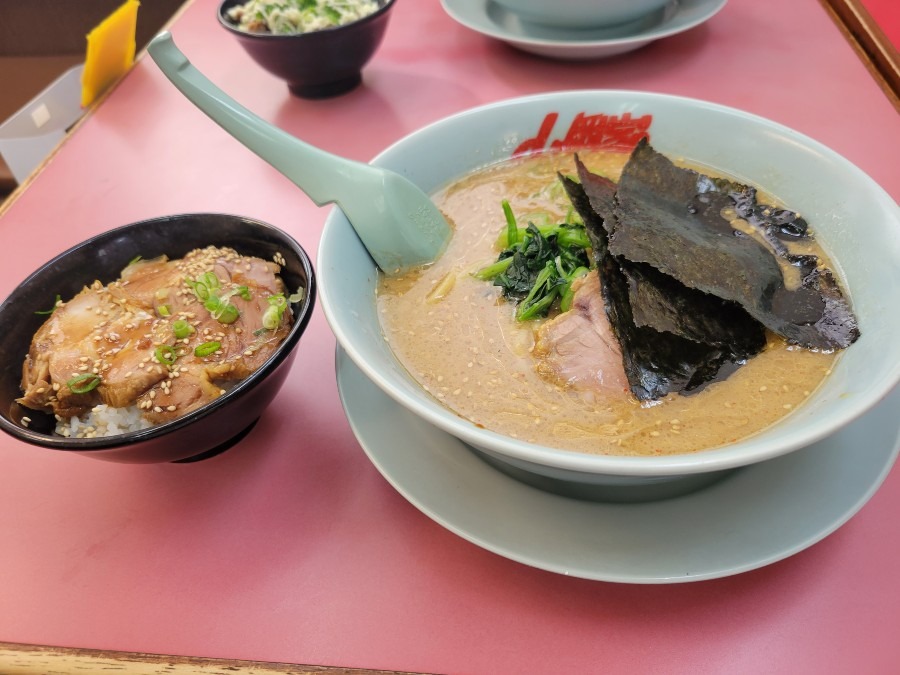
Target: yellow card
point(110, 51)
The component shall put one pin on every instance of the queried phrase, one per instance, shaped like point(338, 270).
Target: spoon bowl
point(396, 221)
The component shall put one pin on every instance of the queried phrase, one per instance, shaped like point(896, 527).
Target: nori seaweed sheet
point(688, 293)
point(660, 301)
point(682, 223)
point(661, 351)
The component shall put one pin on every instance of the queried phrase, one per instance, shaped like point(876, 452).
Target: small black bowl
point(318, 64)
point(201, 433)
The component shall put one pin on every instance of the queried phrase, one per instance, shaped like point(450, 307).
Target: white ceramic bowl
point(853, 218)
point(581, 14)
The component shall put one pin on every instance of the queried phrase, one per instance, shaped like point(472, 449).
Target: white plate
point(489, 18)
point(754, 517)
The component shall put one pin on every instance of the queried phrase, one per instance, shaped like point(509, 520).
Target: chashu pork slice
point(92, 334)
point(115, 332)
point(577, 348)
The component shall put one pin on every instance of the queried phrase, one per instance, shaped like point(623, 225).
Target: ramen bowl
point(854, 220)
point(201, 433)
point(582, 14)
point(317, 64)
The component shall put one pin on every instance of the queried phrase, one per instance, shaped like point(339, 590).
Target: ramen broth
point(460, 340)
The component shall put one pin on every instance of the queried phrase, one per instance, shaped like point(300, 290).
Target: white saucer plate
point(754, 517)
point(489, 18)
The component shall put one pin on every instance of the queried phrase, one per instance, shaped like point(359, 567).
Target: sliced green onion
point(135, 259)
point(272, 316)
point(163, 310)
point(298, 296)
point(209, 279)
point(165, 354)
point(182, 329)
point(221, 311)
point(200, 289)
point(207, 348)
point(244, 292)
point(52, 309)
point(227, 313)
point(82, 384)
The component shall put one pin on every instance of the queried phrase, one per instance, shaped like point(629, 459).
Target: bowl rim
point(305, 312)
point(225, 23)
point(744, 452)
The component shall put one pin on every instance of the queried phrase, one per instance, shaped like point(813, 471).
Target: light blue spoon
point(397, 222)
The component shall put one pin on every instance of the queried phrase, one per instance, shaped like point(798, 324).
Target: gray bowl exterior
point(319, 64)
point(581, 14)
point(855, 220)
point(103, 257)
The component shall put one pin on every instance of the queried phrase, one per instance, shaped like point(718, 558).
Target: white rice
point(103, 420)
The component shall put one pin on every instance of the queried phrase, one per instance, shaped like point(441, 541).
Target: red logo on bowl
point(598, 132)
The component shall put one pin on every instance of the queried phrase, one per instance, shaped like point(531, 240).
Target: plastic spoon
point(396, 221)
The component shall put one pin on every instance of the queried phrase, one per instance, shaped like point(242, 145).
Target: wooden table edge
point(25, 659)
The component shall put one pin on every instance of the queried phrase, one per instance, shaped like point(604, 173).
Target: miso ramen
point(461, 341)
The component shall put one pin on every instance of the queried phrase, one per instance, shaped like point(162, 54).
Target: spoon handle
point(314, 171)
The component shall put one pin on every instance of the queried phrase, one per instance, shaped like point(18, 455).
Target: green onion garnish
point(182, 329)
point(221, 311)
point(135, 259)
point(272, 316)
point(165, 354)
point(82, 384)
point(52, 309)
point(207, 348)
point(200, 289)
point(163, 310)
point(244, 292)
point(209, 279)
point(226, 313)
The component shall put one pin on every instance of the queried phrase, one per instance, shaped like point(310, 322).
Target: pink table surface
point(291, 546)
